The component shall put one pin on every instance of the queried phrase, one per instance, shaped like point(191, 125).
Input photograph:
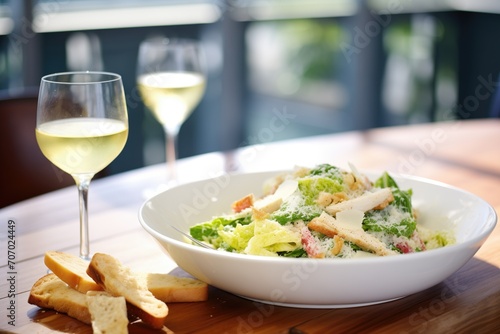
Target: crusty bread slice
point(168, 288)
point(108, 313)
point(52, 293)
point(71, 269)
point(173, 289)
point(119, 280)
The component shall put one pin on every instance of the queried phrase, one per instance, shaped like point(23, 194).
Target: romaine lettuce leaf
point(323, 178)
point(294, 209)
point(303, 205)
point(209, 231)
point(382, 220)
point(271, 238)
point(235, 239)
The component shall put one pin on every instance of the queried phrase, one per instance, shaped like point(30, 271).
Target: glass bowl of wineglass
point(171, 81)
point(81, 127)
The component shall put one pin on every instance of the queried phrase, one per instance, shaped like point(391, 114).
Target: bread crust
point(52, 293)
point(174, 289)
point(118, 280)
point(72, 270)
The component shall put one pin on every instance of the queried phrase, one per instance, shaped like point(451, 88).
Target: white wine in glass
point(171, 80)
point(82, 126)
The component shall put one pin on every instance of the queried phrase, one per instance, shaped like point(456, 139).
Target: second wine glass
point(171, 81)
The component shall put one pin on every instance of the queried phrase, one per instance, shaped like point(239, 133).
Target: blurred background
point(277, 69)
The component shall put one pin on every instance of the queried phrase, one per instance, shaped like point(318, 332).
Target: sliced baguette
point(119, 280)
point(71, 269)
point(52, 293)
point(165, 287)
point(108, 313)
point(173, 289)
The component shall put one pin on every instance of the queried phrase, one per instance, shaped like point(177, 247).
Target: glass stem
point(171, 153)
point(83, 182)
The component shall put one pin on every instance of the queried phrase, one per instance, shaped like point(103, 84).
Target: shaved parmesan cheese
point(365, 202)
point(350, 218)
point(355, 171)
point(269, 203)
point(286, 189)
point(273, 202)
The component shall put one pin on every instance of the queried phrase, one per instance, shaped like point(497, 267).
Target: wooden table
point(464, 154)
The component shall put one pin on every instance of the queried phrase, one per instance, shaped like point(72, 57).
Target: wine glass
point(81, 127)
point(171, 81)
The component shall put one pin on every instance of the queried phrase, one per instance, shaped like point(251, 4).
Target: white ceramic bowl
point(321, 283)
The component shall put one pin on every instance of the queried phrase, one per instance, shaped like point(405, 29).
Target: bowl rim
point(489, 226)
